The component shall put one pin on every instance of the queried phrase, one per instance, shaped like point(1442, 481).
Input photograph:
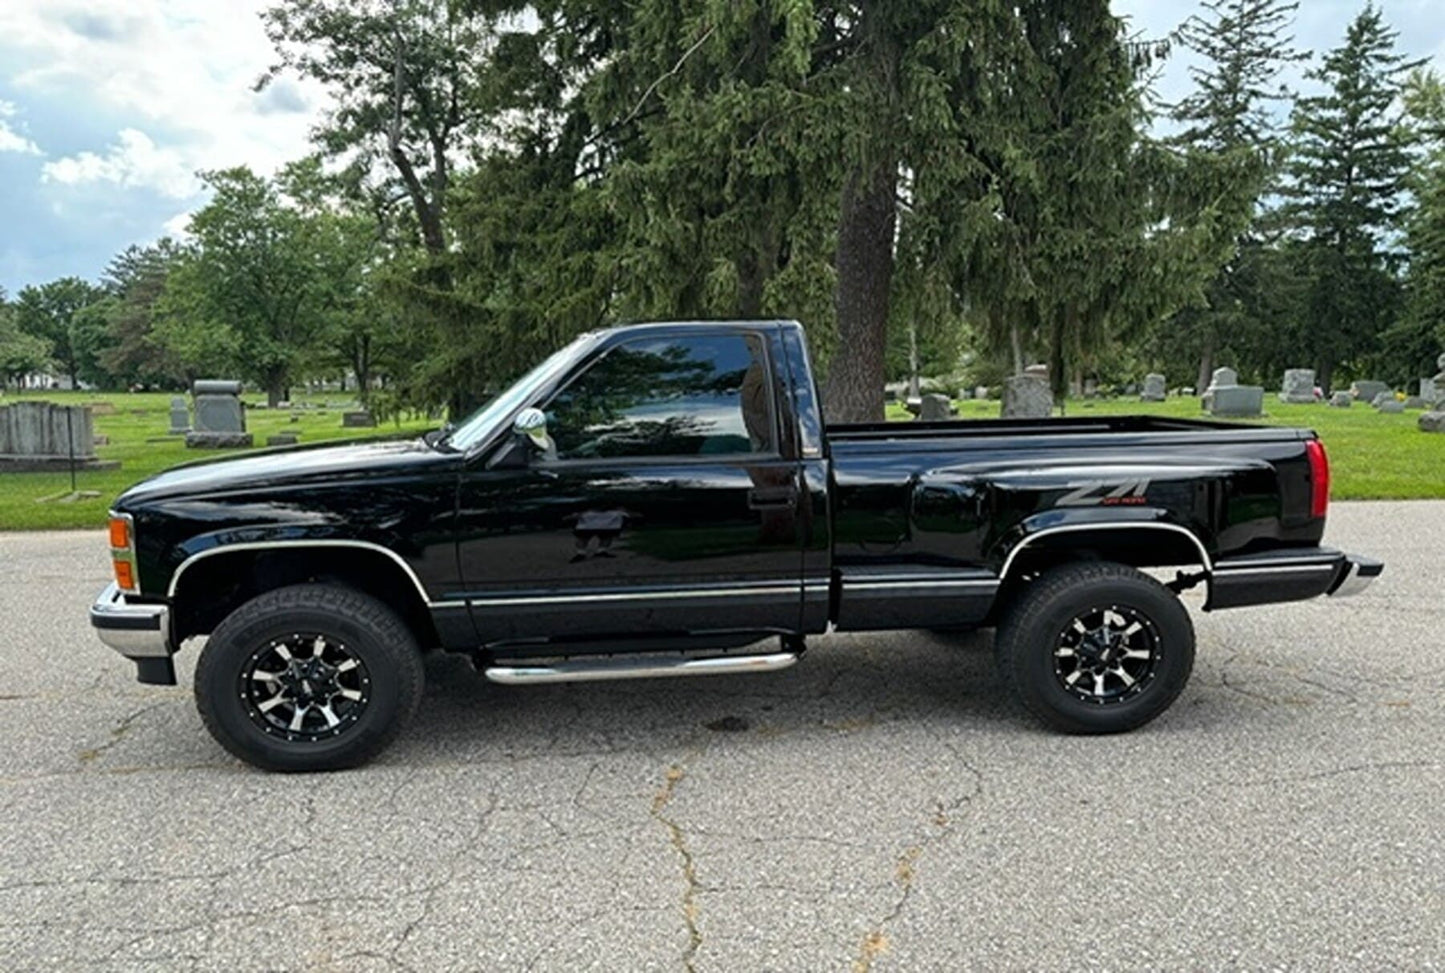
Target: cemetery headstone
point(1432, 422)
point(935, 408)
point(282, 439)
point(1154, 390)
point(1298, 386)
point(220, 419)
point(1415, 402)
point(43, 436)
point(1430, 391)
point(180, 416)
point(1342, 400)
point(1026, 397)
point(1225, 397)
point(1366, 390)
point(360, 419)
point(1391, 407)
point(1381, 398)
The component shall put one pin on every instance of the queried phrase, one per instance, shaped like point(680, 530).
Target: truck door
point(669, 507)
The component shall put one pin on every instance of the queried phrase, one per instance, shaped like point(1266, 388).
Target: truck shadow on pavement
point(844, 684)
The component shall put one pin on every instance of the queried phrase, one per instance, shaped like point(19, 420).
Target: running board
point(592, 670)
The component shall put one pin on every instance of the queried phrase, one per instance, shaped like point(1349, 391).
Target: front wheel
point(309, 677)
point(1096, 648)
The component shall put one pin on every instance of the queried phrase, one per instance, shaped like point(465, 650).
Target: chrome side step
point(592, 670)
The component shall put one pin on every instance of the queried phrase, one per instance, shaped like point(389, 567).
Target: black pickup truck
point(656, 500)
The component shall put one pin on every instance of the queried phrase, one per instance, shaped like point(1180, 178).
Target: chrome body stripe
point(665, 593)
point(1074, 528)
point(267, 545)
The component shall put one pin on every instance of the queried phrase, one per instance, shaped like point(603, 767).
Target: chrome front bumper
point(1357, 575)
point(140, 632)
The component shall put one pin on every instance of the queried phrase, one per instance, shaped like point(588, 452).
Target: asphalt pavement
point(880, 806)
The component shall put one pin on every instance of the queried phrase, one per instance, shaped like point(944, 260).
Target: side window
point(686, 396)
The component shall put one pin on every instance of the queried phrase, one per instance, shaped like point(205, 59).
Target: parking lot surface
point(881, 806)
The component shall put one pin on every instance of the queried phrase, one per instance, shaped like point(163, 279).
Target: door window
point(682, 396)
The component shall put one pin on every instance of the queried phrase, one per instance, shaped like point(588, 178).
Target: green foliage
point(52, 313)
point(1410, 348)
point(272, 271)
point(20, 353)
point(1352, 158)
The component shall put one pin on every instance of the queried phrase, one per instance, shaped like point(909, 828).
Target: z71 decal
point(1105, 493)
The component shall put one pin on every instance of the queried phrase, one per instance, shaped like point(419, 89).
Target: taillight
point(1319, 477)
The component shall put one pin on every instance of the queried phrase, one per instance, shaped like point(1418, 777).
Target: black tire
point(1081, 679)
point(379, 653)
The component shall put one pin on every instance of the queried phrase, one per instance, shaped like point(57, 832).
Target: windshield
point(476, 426)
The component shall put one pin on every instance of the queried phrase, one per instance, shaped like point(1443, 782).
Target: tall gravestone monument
point(220, 419)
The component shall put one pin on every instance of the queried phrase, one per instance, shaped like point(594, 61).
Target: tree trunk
point(1325, 375)
point(361, 365)
point(866, 222)
point(1016, 344)
point(1206, 366)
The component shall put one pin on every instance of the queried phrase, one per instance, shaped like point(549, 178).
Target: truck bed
point(1070, 427)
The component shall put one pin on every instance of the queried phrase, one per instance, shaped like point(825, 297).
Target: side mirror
point(530, 426)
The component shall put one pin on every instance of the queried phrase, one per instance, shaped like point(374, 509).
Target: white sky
point(108, 107)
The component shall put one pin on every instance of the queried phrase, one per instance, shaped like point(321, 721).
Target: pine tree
point(1413, 345)
point(1243, 45)
point(1348, 177)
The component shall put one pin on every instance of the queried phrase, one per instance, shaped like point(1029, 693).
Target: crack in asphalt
point(118, 732)
point(678, 839)
point(905, 873)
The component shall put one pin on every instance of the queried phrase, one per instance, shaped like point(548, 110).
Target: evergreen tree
point(1348, 177)
point(1243, 45)
point(1412, 346)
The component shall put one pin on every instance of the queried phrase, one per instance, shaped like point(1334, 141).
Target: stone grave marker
point(1415, 402)
point(1225, 397)
point(935, 408)
point(1154, 388)
point(1298, 386)
point(1366, 390)
point(282, 439)
point(1430, 391)
point(360, 419)
point(220, 419)
point(1381, 398)
point(1432, 422)
point(1026, 397)
point(41, 436)
point(1342, 400)
point(1391, 407)
point(180, 416)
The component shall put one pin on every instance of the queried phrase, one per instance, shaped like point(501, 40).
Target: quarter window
point(690, 396)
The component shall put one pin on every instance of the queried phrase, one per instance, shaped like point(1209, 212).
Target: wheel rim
point(1107, 655)
point(305, 687)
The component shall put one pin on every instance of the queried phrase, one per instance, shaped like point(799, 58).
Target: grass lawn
point(1373, 456)
point(137, 438)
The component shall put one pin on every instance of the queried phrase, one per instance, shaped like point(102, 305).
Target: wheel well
point(216, 585)
point(1138, 547)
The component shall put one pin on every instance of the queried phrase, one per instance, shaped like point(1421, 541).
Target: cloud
point(11, 140)
point(178, 227)
point(134, 161)
point(281, 97)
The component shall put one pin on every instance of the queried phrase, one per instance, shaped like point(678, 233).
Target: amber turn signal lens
point(119, 533)
point(124, 575)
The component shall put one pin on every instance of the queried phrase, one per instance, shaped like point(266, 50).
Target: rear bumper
point(1291, 575)
point(140, 632)
point(1358, 574)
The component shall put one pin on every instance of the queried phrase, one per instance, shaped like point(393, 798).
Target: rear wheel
point(309, 677)
point(1096, 648)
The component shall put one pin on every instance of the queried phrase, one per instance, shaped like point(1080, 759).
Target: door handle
point(773, 498)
